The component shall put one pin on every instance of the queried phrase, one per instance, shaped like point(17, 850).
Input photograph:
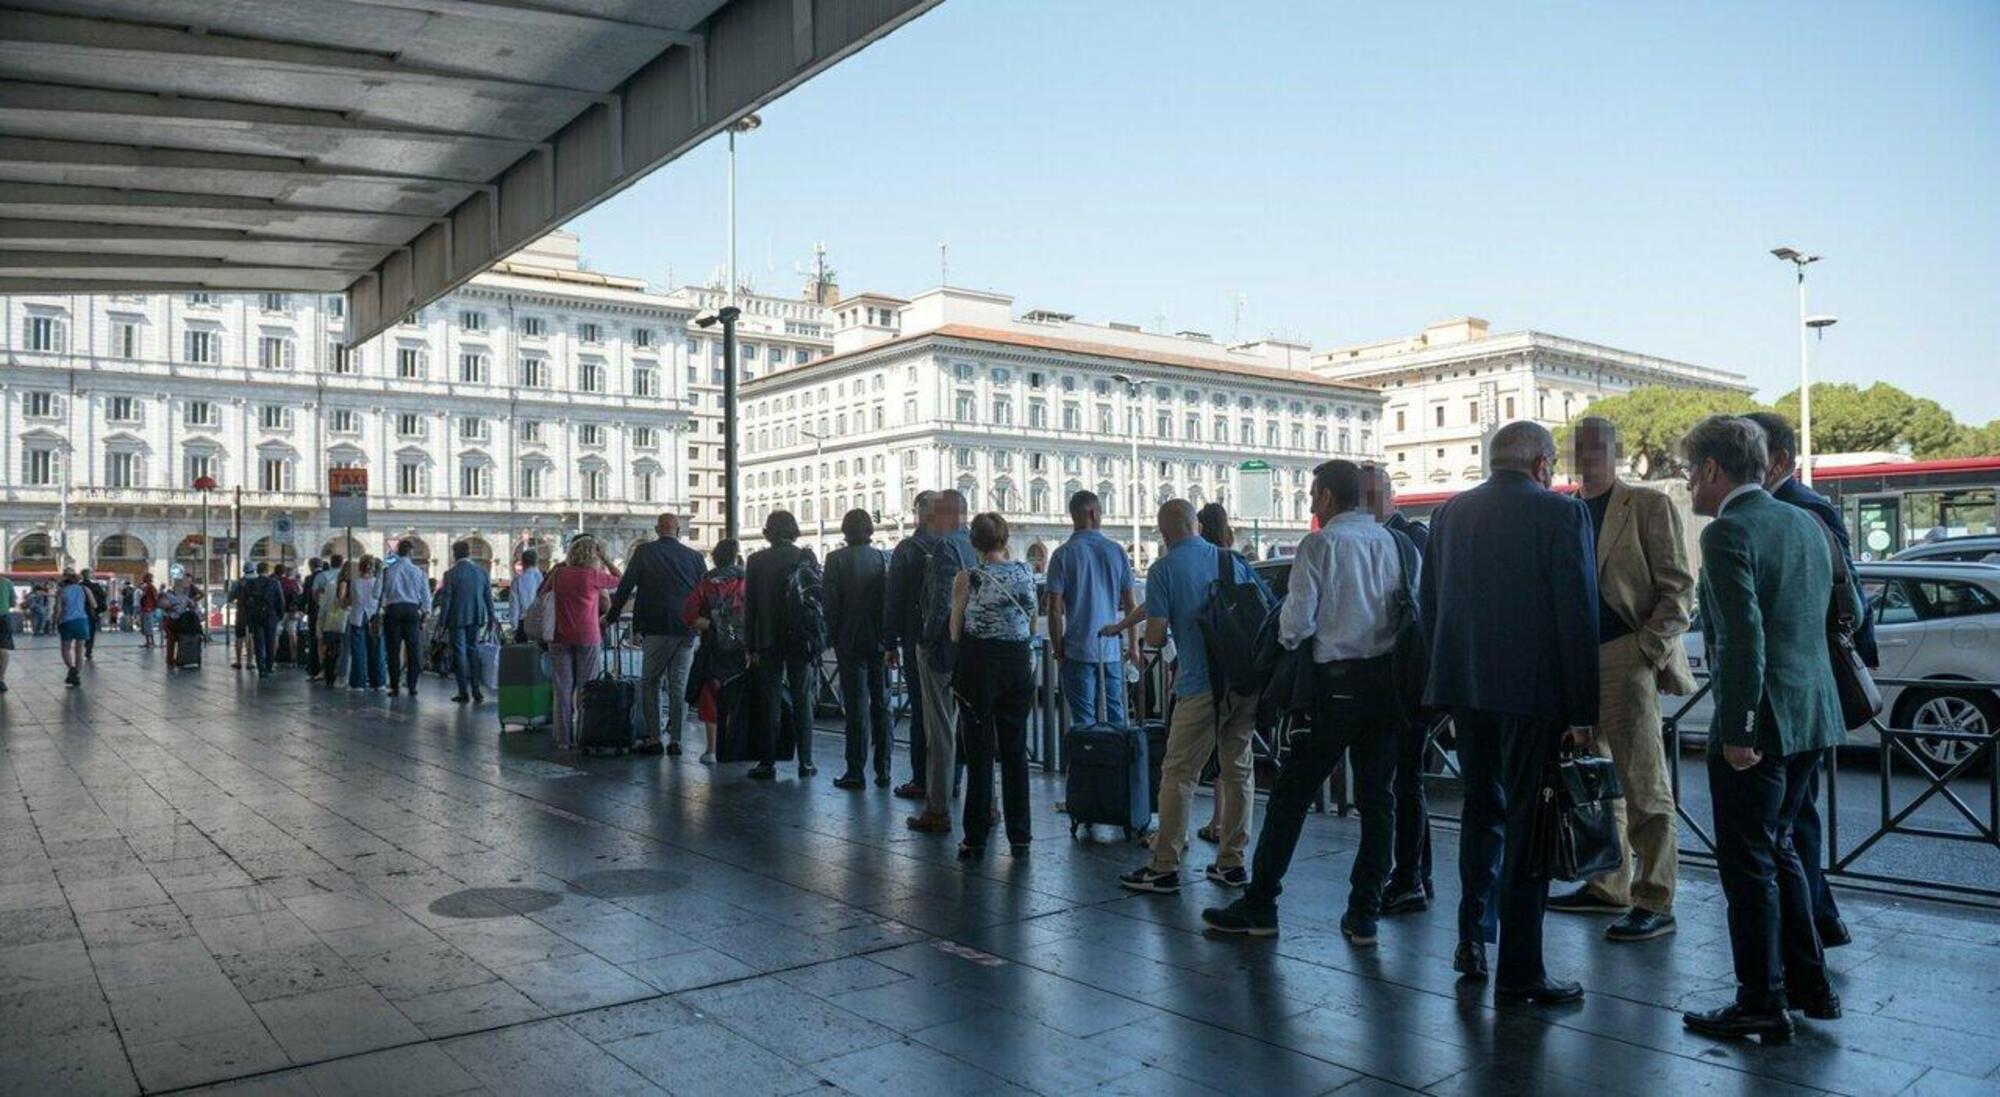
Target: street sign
point(347, 498)
point(1253, 491)
point(222, 546)
point(281, 528)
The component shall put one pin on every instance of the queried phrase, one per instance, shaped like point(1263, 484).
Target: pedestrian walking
point(466, 614)
point(100, 600)
point(149, 610)
point(74, 599)
point(1767, 575)
point(992, 620)
point(1341, 598)
point(1509, 601)
point(856, 583)
point(658, 578)
point(784, 608)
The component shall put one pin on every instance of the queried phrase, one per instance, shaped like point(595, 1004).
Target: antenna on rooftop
point(1236, 326)
point(1160, 319)
point(944, 263)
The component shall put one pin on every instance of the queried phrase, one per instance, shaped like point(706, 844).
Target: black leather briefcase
point(1576, 823)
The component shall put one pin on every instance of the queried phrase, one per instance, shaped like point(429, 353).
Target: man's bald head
point(667, 525)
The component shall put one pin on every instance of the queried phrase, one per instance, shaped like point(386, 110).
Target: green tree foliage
point(1850, 419)
point(1976, 442)
point(1651, 422)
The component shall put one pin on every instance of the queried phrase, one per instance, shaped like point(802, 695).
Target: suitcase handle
point(608, 663)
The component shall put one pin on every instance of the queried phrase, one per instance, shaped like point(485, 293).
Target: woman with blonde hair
point(361, 595)
point(581, 586)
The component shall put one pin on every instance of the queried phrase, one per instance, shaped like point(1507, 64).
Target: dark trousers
point(919, 751)
point(1413, 811)
point(994, 702)
point(1503, 759)
point(1352, 714)
point(864, 700)
point(1806, 838)
point(264, 641)
point(403, 638)
point(465, 658)
point(779, 678)
point(1771, 934)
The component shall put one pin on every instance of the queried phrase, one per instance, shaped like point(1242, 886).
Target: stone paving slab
point(271, 887)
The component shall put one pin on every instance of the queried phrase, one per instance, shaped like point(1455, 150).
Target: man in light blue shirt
point(1090, 585)
point(1204, 720)
point(406, 595)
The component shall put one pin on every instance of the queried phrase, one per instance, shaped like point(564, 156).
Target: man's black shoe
point(881, 780)
point(1833, 934)
point(1820, 1005)
point(807, 769)
point(762, 772)
point(1733, 1022)
point(1233, 877)
point(674, 749)
point(460, 698)
point(848, 780)
point(1640, 924)
point(413, 689)
point(1242, 919)
point(653, 747)
point(1585, 901)
point(478, 698)
point(1548, 992)
point(1470, 960)
point(1145, 879)
point(1405, 901)
point(1358, 928)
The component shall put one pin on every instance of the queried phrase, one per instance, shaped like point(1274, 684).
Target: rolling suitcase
point(1107, 780)
point(605, 708)
point(526, 696)
point(187, 651)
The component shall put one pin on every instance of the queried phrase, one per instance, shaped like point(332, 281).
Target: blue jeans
point(864, 701)
point(366, 665)
point(1083, 682)
point(465, 658)
point(264, 641)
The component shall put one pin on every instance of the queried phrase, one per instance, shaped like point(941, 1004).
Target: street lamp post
point(1800, 261)
point(819, 504)
point(727, 316)
point(1132, 424)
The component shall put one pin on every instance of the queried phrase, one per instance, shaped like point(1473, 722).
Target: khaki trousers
point(1193, 733)
point(1628, 732)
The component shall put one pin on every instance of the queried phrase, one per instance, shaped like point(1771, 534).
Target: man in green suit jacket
point(1766, 577)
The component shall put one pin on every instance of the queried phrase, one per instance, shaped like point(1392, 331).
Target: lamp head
point(1822, 321)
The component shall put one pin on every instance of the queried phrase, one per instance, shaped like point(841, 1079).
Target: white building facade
point(1448, 388)
point(538, 399)
point(954, 391)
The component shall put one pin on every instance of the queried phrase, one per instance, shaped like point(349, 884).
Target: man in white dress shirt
point(1341, 599)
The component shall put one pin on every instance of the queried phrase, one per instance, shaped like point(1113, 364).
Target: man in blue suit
point(1782, 445)
point(465, 614)
point(1509, 602)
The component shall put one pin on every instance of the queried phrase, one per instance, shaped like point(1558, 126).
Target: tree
point(1651, 422)
point(1976, 442)
point(1881, 417)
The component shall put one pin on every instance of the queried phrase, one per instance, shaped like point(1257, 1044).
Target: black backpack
point(1233, 619)
point(256, 605)
point(802, 632)
point(1410, 655)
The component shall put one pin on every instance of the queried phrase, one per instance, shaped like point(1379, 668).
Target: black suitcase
point(605, 709)
point(1107, 780)
point(187, 651)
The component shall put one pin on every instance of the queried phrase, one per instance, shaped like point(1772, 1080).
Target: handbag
point(1860, 698)
point(538, 623)
point(1409, 653)
point(1575, 834)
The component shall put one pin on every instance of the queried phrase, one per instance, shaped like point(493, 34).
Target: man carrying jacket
point(901, 625)
point(661, 573)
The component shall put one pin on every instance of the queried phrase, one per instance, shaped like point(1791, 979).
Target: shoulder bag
point(1860, 699)
point(1575, 827)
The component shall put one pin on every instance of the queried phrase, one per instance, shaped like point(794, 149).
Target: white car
point(1939, 622)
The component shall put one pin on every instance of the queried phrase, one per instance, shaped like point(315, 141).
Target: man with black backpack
point(1348, 594)
point(786, 622)
point(937, 656)
point(262, 605)
point(1210, 713)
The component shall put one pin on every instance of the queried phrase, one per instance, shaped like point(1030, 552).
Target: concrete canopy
point(390, 149)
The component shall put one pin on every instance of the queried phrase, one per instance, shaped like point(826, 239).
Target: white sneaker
point(707, 759)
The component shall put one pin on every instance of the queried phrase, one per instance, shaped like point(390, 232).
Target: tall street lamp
point(1132, 423)
point(1800, 261)
point(727, 316)
point(819, 504)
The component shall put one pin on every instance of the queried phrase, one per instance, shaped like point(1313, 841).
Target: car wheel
point(1948, 710)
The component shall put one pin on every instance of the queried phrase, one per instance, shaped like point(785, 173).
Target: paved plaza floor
point(210, 879)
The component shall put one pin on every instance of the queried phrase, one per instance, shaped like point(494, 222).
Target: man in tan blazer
point(1646, 592)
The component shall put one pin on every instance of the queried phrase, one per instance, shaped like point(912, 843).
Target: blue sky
point(1613, 172)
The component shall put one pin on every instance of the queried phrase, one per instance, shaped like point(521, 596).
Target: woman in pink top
point(580, 586)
